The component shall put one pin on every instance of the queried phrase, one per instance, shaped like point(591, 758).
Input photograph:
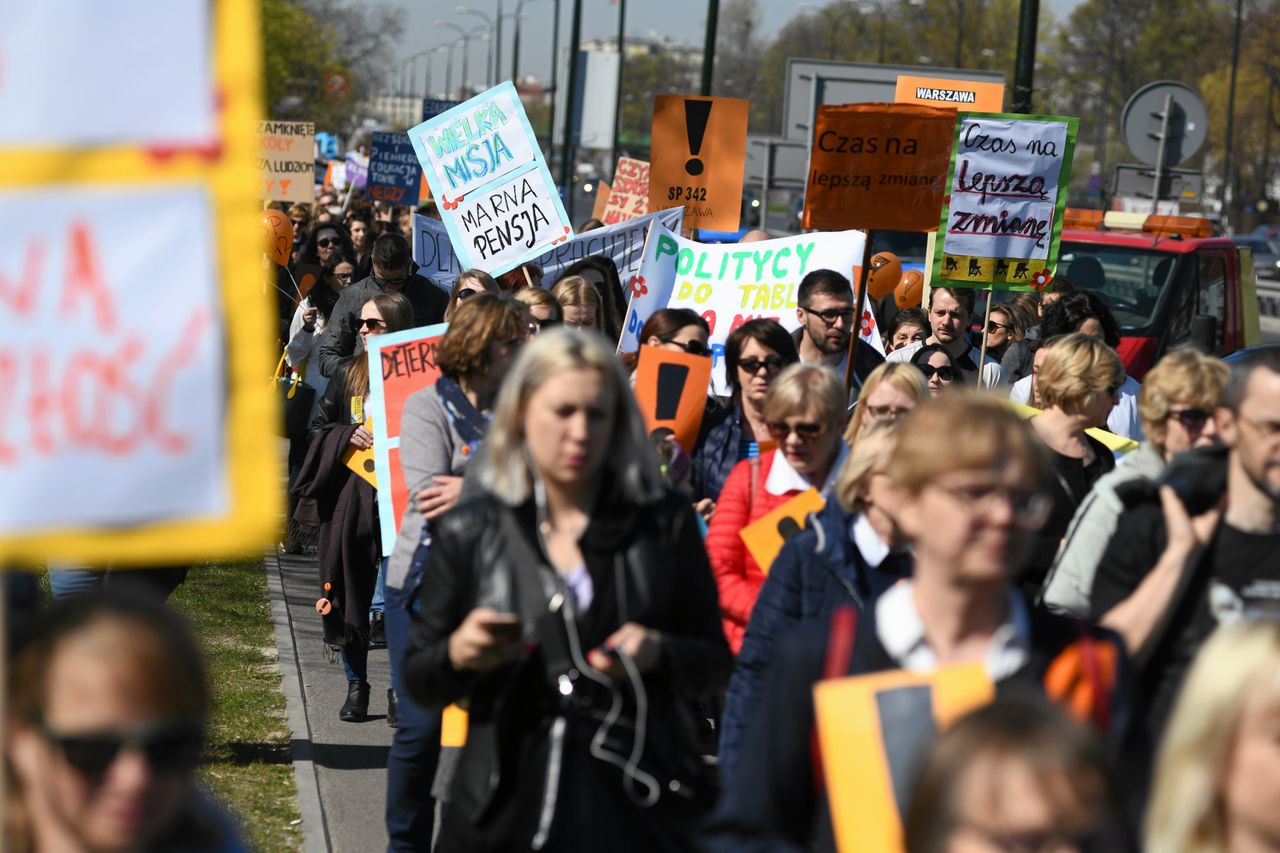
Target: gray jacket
point(1070, 581)
point(429, 447)
point(341, 336)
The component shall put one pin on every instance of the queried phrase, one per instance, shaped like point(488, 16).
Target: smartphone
point(504, 627)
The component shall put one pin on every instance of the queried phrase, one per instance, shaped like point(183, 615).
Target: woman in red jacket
point(805, 415)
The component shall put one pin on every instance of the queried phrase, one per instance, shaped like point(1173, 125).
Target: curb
point(315, 831)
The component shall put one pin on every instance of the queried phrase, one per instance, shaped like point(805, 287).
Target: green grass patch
point(248, 763)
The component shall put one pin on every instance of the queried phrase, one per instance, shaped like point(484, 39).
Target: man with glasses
point(391, 274)
point(950, 318)
point(1169, 578)
point(825, 313)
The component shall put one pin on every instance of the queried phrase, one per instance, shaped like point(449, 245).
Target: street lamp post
point(622, 58)
point(709, 46)
point(466, 43)
point(568, 143)
point(555, 62)
point(488, 23)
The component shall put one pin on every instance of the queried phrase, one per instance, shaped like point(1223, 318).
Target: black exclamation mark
point(671, 379)
point(696, 114)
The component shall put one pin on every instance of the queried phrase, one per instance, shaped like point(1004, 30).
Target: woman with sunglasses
point(680, 329)
point(323, 241)
point(544, 310)
point(1176, 403)
point(345, 504)
point(467, 285)
point(804, 412)
point(938, 367)
point(1078, 382)
point(888, 394)
point(754, 354)
point(1004, 327)
point(107, 711)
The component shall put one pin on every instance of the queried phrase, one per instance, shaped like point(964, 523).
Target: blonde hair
point(906, 378)
point(576, 291)
point(962, 432)
point(630, 459)
point(1075, 367)
point(536, 296)
point(868, 457)
point(1186, 376)
point(806, 387)
point(1185, 813)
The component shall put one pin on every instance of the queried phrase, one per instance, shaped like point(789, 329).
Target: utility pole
point(709, 46)
point(568, 142)
point(1227, 190)
point(622, 58)
point(1025, 66)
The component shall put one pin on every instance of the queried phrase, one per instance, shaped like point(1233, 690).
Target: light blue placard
point(383, 444)
point(490, 182)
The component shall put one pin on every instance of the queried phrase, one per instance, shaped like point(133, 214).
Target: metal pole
point(466, 84)
point(1164, 143)
point(960, 32)
point(1231, 121)
point(488, 60)
point(568, 143)
point(497, 52)
point(709, 46)
point(1025, 65)
point(617, 103)
point(448, 75)
point(555, 63)
point(515, 43)
point(764, 185)
point(1104, 115)
point(426, 83)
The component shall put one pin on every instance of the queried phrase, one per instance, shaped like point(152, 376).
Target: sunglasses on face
point(993, 326)
point(830, 315)
point(370, 323)
point(946, 373)
point(779, 430)
point(169, 747)
point(694, 347)
point(466, 293)
point(1191, 419)
point(326, 242)
point(751, 366)
point(390, 282)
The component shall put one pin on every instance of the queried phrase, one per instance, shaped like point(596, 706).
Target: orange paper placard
point(873, 731)
point(671, 390)
point(764, 536)
point(699, 157)
point(453, 727)
point(361, 461)
point(878, 166)
point(629, 195)
point(603, 193)
point(968, 95)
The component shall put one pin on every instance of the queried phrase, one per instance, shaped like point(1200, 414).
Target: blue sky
point(682, 20)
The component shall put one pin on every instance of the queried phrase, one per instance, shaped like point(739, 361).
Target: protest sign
point(487, 174)
point(629, 194)
point(357, 169)
point(362, 461)
point(285, 160)
point(138, 418)
point(699, 158)
point(878, 166)
point(394, 173)
point(432, 107)
point(874, 731)
point(603, 191)
point(1008, 187)
point(400, 364)
point(622, 243)
point(671, 391)
point(972, 95)
point(765, 536)
point(729, 284)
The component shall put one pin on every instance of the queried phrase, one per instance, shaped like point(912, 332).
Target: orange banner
point(878, 166)
point(629, 195)
point(967, 95)
point(699, 156)
point(671, 391)
point(765, 536)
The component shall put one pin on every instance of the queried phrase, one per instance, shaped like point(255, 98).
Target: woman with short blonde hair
point(1076, 367)
point(1215, 786)
point(806, 386)
point(583, 307)
point(543, 307)
point(889, 392)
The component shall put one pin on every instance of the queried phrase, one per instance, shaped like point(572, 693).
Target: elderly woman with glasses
point(1176, 403)
point(754, 354)
point(804, 413)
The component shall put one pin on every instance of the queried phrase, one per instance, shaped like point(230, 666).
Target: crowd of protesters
point(634, 677)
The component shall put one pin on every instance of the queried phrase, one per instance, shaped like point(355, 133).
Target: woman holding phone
point(554, 616)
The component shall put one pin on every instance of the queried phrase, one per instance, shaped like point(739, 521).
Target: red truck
point(1167, 279)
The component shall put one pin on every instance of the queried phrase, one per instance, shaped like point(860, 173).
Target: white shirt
point(783, 478)
point(992, 372)
point(867, 541)
point(1124, 418)
point(901, 631)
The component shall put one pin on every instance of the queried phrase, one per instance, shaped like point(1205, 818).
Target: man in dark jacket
point(391, 263)
point(825, 312)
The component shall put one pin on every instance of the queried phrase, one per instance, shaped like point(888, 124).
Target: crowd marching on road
point(961, 578)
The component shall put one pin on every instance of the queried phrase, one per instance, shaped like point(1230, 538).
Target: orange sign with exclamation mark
point(699, 154)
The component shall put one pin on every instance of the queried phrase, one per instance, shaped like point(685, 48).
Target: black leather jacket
point(648, 565)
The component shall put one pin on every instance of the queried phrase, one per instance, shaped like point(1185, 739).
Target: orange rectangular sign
point(967, 95)
point(765, 536)
point(629, 195)
point(671, 391)
point(699, 156)
point(603, 192)
point(878, 166)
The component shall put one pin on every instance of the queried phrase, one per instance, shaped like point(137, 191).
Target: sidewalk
point(340, 767)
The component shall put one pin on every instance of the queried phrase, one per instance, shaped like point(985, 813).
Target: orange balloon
point(886, 270)
point(910, 290)
point(279, 236)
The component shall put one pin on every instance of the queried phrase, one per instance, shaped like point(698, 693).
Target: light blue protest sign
point(394, 174)
point(490, 182)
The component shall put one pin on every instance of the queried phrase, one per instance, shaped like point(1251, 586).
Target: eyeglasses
point(370, 323)
point(779, 430)
point(886, 412)
point(1030, 509)
point(693, 347)
point(1191, 419)
point(830, 315)
point(170, 746)
point(390, 282)
point(466, 293)
point(993, 326)
point(751, 366)
point(326, 242)
point(299, 223)
point(946, 373)
point(342, 276)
